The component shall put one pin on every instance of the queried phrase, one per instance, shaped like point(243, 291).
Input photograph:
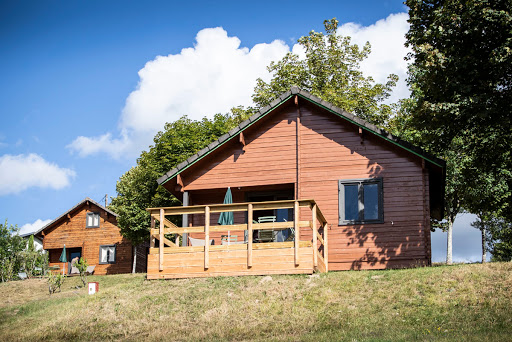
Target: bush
point(29, 258)
point(81, 265)
point(11, 250)
point(55, 281)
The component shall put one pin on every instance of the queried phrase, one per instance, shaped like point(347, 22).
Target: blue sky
point(84, 90)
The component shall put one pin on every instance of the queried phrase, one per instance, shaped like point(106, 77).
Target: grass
point(443, 303)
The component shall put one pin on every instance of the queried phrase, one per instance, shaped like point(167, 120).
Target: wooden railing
point(318, 224)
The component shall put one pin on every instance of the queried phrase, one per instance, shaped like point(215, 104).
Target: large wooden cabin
point(318, 170)
point(88, 230)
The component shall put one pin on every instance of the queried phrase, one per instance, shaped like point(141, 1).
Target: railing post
point(249, 234)
point(206, 237)
point(297, 231)
point(184, 221)
point(151, 237)
point(326, 243)
point(161, 242)
point(315, 238)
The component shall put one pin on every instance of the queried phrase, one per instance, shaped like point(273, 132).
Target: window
point(360, 201)
point(108, 254)
point(92, 220)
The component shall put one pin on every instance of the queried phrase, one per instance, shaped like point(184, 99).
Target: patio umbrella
point(226, 218)
point(63, 257)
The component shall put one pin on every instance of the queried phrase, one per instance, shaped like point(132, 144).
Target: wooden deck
point(168, 260)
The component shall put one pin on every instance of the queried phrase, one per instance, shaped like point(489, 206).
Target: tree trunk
point(449, 242)
point(484, 248)
point(134, 258)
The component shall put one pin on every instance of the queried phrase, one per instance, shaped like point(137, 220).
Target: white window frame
point(92, 215)
point(108, 261)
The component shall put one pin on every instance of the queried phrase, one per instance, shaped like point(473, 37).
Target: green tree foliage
point(30, 257)
point(500, 239)
point(11, 249)
point(461, 79)
point(497, 234)
point(331, 72)
point(137, 189)
point(460, 109)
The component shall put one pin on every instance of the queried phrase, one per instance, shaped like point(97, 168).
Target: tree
point(482, 223)
point(11, 248)
point(461, 82)
point(455, 190)
point(485, 198)
point(500, 239)
point(497, 236)
point(30, 257)
point(138, 189)
point(461, 78)
point(331, 72)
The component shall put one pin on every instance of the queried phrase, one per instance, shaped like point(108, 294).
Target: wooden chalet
point(313, 188)
point(88, 230)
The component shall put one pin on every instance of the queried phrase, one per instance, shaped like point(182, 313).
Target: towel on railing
point(198, 242)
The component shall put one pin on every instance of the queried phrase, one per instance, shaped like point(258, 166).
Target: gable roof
point(87, 199)
point(315, 100)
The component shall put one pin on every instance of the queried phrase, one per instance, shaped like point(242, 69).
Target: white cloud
point(86, 146)
point(33, 227)
point(217, 74)
point(20, 172)
point(387, 38)
point(211, 77)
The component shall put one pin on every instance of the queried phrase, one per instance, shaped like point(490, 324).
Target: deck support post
point(184, 240)
point(296, 227)
point(326, 243)
point(206, 237)
point(249, 234)
point(151, 237)
point(315, 238)
point(161, 242)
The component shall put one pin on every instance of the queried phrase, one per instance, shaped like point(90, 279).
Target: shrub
point(11, 250)
point(55, 281)
point(81, 265)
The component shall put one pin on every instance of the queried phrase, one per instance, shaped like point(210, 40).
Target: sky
point(86, 85)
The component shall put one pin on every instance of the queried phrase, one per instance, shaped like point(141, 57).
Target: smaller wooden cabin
point(88, 230)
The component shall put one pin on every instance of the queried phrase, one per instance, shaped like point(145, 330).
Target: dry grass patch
point(463, 302)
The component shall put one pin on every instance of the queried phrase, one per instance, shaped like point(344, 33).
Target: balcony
point(304, 251)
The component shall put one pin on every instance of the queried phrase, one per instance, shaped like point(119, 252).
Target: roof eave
point(87, 199)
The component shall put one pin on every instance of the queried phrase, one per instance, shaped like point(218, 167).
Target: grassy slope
point(462, 302)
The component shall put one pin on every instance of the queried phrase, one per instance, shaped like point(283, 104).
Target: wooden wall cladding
point(329, 149)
